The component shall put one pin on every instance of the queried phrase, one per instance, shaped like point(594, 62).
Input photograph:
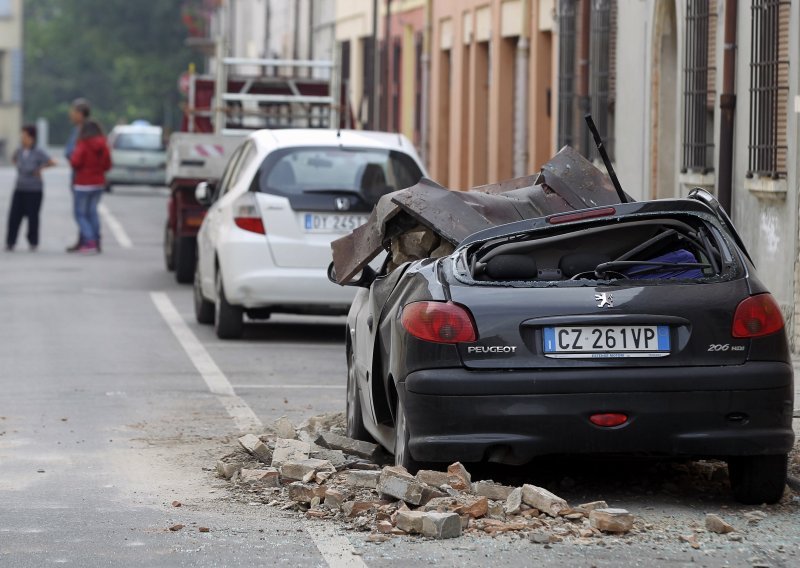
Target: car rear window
point(367, 171)
point(141, 141)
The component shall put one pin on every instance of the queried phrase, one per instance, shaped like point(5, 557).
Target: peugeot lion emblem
point(342, 204)
point(604, 300)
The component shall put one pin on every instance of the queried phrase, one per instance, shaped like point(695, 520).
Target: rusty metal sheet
point(567, 182)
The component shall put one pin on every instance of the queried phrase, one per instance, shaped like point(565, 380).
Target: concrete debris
point(716, 524)
point(611, 520)
point(289, 450)
point(255, 478)
point(325, 475)
point(256, 447)
point(348, 445)
point(542, 499)
point(491, 490)
point(754, 517)
point(176, 528)
point(441, 525)
point(284, 428)
point(203, 529)
point(691, 540)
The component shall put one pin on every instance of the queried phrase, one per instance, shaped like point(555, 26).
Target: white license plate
point(606, 341)
point(322, 223)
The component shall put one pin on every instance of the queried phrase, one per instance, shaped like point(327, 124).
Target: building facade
point(691, 121)
point(10, 76)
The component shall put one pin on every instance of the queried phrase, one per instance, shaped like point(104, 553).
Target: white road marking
point(332, 387)
point(123, 240)
point(335, 549)
point(218, 384)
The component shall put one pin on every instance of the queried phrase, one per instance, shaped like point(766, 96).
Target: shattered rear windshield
point(647, 249)
point(369, 172)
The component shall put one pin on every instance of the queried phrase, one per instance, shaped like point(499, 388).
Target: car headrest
point(577, 262)
point(512, 267)
point(282, 175)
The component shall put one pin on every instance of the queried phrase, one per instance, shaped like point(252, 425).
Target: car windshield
point(367, 171)
point(142, 141)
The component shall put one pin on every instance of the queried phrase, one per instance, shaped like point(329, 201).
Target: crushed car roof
point(566, 183)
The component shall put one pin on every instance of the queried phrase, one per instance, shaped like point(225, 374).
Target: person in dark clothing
point(79, 112)
point(90, 162)
point(26, 201)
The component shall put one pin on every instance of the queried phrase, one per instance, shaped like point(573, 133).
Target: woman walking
point(26, 201)
point(90, 161)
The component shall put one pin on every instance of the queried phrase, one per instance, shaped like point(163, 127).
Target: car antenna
point(604, 155)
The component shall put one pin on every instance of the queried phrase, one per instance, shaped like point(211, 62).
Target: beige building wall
point(475, 95)
point(354, 24)
point(10, 76)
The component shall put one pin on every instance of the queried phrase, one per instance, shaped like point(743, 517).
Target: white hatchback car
point(264, 245)
point(138, 155)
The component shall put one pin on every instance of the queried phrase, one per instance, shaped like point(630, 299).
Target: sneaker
point(88, 248)
point(75, 247)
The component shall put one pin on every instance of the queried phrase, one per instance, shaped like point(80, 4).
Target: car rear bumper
point(512, 417)
point(136, 176)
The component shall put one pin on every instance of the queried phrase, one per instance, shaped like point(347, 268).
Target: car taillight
point(246, 214)
point(757, 316)
point(439, 322)
point(559, 218)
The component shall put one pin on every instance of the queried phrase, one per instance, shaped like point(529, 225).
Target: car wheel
point(203, 309)
point(355, 418)
point(402, 456)
point(169, 248)
point(185, 256)
point(758, 479)
point(227, 318)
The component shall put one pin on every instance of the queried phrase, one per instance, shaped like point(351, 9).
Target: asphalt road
point(106, 419)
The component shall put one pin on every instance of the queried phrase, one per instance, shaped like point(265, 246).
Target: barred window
point(769, 87)
point(567, 45)
point(602, 68)
point(699, 77)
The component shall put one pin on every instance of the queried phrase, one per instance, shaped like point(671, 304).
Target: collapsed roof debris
point(566, 183)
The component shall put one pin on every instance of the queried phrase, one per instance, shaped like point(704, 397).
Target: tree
point(124, 56)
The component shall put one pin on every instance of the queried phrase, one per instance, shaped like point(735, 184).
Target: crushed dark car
point(546, 316)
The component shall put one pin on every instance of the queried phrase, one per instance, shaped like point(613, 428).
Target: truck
point(244, 95)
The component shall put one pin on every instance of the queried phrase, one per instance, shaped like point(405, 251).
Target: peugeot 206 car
point(638, 329)
point(264, 245)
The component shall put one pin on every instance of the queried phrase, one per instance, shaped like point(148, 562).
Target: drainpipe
point(373, 96)
point(521, 94)
point(727, 105)
point(386, 89)
point(426, 78)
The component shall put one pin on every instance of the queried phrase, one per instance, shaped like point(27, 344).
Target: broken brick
point(441, 525)
point(255, 447)
point(355, 508)
point(259, 477)
point(333, 499)
point(398, 483)
point(409, 521)
point(432, 478)
point(289, 450)
point(304, 469)
point(361, 478)
point(716, 524)
point(611, 520)
point(284, 428)
point(348, 445)
point(458, 477)
point(494, 491)
point(305, 493)
point(540, 498)
point(513, 504)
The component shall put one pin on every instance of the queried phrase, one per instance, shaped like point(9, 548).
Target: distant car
point(138, 155)
point(635, 329)
point(264, 245)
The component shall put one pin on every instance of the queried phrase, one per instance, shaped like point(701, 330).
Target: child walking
point(90, 161)
point(26, 201)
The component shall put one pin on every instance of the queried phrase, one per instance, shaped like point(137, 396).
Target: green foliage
point(125, 56)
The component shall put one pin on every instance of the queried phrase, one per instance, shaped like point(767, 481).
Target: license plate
point(606, 341)
point(321, 223)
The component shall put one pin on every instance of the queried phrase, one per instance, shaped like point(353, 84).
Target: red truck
point(259, 93)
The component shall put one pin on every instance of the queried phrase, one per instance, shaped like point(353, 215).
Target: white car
point(285, 195)
point(138, 155)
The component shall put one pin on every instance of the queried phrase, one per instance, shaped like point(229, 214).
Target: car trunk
point(657, 290)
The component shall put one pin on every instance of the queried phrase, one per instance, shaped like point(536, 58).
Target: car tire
point(203, 309)
point(185, 258)
point(355, 416)
point(228, 319)
point(758, 479)
point(402, 456)
point(169, 248)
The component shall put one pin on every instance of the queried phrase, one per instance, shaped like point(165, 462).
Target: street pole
point(219, 75)
point(376, 53)
point(727, 105)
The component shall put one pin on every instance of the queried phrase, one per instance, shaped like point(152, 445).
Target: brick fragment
point(432, 478)
point(255, 447)
point(348, 445)
point(513, 504)
point(398, 483)
point(540, 498)
point(356, 508)
point(304, 469)
point(409, 521)
point(361, 478)
point(441, 525)
point(611, 520)
point(716, 524)
point(304, 492)
point(259, 477)
point(458, 477)
point(333, 499)
point(492, 490)
point(289, 450)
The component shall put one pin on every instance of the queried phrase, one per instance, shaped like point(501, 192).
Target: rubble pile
point(318, 471)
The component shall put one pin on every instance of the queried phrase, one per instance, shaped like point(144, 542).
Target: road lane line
point(122, 238)
point(334, 548)
point(331, 387)
point(244, 417)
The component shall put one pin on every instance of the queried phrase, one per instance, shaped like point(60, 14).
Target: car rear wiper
point(332, 190)
point(604, 267)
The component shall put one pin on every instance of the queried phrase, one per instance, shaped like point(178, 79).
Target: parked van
point(138, 155)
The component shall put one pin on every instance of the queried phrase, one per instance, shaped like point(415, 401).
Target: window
point(699, 76)
point(566, 71)
point(602, 67)
point(769, 87)
point(368, 65)
point(5, 9)
point(394, 87)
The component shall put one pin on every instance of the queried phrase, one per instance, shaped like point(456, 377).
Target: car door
point(209, 231)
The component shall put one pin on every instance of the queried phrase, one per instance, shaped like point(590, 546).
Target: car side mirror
point(203, 193)
point(363, 279)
